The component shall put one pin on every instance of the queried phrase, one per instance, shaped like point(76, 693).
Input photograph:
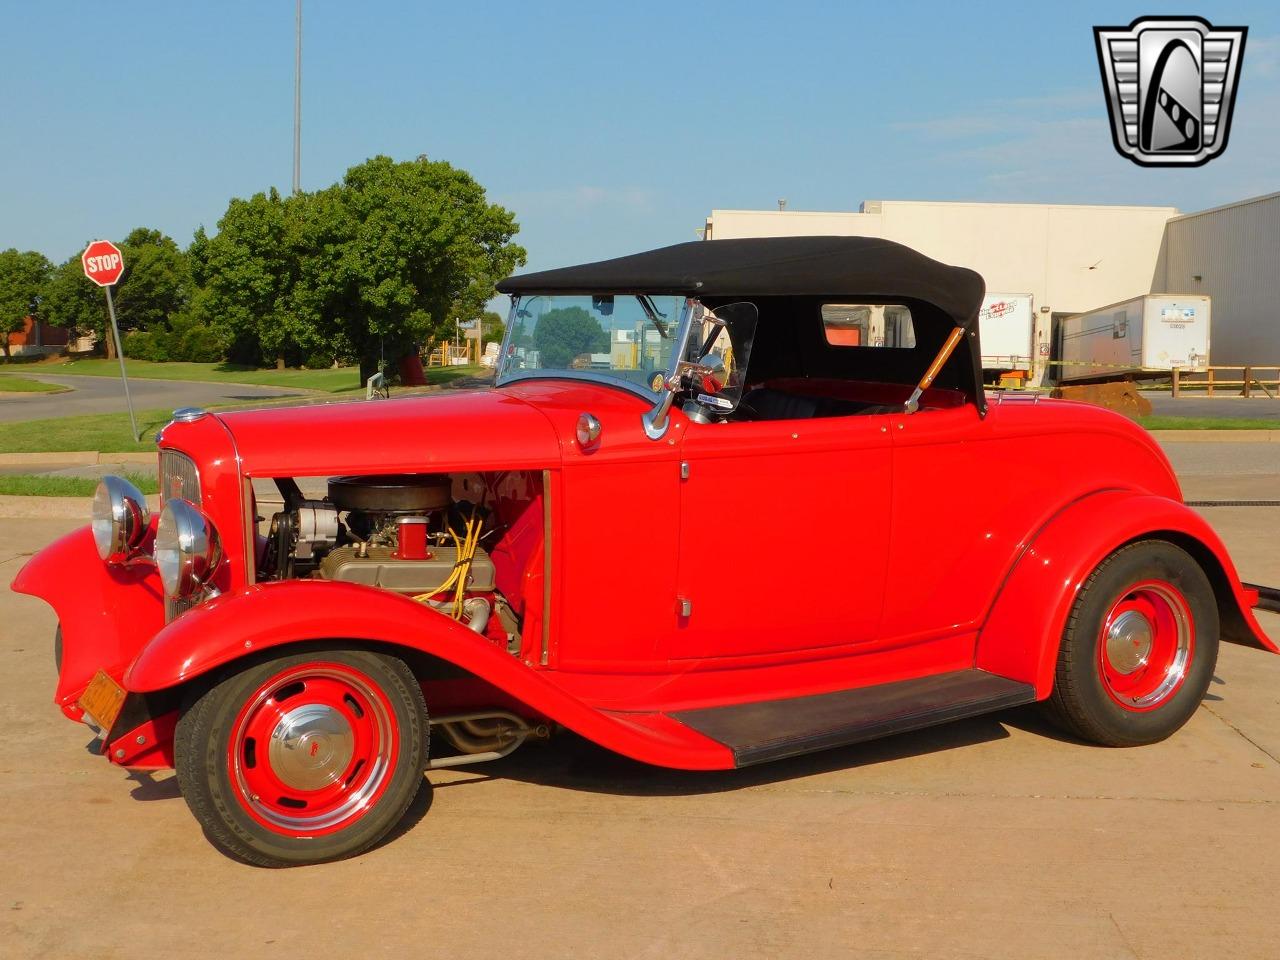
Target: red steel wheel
point(1146, 644)
point(312, 749)
point(312, 756)
point(1139, 647)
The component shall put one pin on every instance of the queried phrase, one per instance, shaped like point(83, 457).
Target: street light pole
point(297, 101)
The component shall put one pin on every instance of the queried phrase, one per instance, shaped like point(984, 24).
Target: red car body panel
point(1036, 598)
point(430, 434)
point(269, 615)
point(815, 555)
point(106, 613)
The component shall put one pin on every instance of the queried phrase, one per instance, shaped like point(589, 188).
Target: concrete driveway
point(106, 395)
point(992, 838)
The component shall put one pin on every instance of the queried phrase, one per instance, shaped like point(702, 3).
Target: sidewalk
point(73, 458)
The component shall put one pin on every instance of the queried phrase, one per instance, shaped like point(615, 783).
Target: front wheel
point(1139, 648)
point(305, 758)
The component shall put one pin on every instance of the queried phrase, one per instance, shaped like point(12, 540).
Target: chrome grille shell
point(178, 478)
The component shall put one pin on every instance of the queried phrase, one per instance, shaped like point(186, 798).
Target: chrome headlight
point(120, 519)
point(187, 549)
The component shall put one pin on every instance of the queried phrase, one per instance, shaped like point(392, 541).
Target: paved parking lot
point(992, 838)
point(1260, 407)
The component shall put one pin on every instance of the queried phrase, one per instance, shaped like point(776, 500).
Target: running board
point(1268, 597)
point(774, 729)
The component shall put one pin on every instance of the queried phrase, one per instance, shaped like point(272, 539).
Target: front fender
point(106, 611)
point(270, 615)
point(1022, 632)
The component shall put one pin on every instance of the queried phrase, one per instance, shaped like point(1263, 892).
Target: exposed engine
point(420, 535)
point(404, 533)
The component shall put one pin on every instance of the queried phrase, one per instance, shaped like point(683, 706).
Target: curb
point(54, 508)
point(76, 458)
point(30, 394)
point(1216, 436)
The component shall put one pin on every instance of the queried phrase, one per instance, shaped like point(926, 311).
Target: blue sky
point(607, 127)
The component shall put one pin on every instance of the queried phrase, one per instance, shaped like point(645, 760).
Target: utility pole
point(297, 102)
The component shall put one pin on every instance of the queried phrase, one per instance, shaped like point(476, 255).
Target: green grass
point(110, 432)
point(39, 485)
point(11, 384)
point(1206, 423)
point(104, 432)
point(341, 380)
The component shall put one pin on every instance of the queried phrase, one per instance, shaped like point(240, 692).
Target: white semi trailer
point(1006, 329)
point(1157, 332)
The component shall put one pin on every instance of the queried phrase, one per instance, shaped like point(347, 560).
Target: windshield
point(632, 339)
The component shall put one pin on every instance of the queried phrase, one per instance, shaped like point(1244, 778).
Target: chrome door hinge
point(684, 469)
point(684, 607)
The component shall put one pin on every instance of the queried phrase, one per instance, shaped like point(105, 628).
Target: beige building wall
point(1231, 253)
point(1069, 258)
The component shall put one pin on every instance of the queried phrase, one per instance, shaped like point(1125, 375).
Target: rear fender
point(106, 612)
point(273, 615)
point(1022, 632)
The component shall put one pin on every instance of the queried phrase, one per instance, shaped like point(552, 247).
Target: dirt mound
point(1120, 397)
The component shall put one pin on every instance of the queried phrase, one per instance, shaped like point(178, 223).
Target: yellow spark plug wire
point(457, 579)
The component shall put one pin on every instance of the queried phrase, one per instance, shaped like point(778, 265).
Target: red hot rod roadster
point(719, 508)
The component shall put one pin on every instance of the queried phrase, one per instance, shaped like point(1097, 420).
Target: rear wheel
point(304, 758)
point(1139, 648)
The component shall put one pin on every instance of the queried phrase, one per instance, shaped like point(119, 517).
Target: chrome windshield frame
point(684, 325)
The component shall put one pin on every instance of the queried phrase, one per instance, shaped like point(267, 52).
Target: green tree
point(492, 327)
point(71, 301)
point(155, 285)
point(423, 245)
point(566, 333)
point(252, 275)
point(23, 278)
point(371, 267)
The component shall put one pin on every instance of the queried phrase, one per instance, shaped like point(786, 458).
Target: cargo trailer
point(1156, 333)
point(1006, 325)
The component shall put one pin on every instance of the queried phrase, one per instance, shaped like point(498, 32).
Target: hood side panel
point(463, 430)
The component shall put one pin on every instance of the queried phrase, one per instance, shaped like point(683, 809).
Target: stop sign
point(103, 263)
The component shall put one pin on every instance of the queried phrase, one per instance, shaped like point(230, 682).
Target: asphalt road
point(1234, 408)
point(106, 395)
point(992, 838)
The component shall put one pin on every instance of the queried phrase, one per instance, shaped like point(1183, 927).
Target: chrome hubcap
point(1129, 642)
point(1146, 644)
point(311, 747)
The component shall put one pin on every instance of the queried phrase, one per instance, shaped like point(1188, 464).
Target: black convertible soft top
point(773, 266)
point(789, 279)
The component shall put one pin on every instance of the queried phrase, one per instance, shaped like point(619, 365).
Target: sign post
point(104, 265)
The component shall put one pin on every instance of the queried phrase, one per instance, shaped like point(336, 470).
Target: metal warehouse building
point(1231, 253)
point(1075, 258)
